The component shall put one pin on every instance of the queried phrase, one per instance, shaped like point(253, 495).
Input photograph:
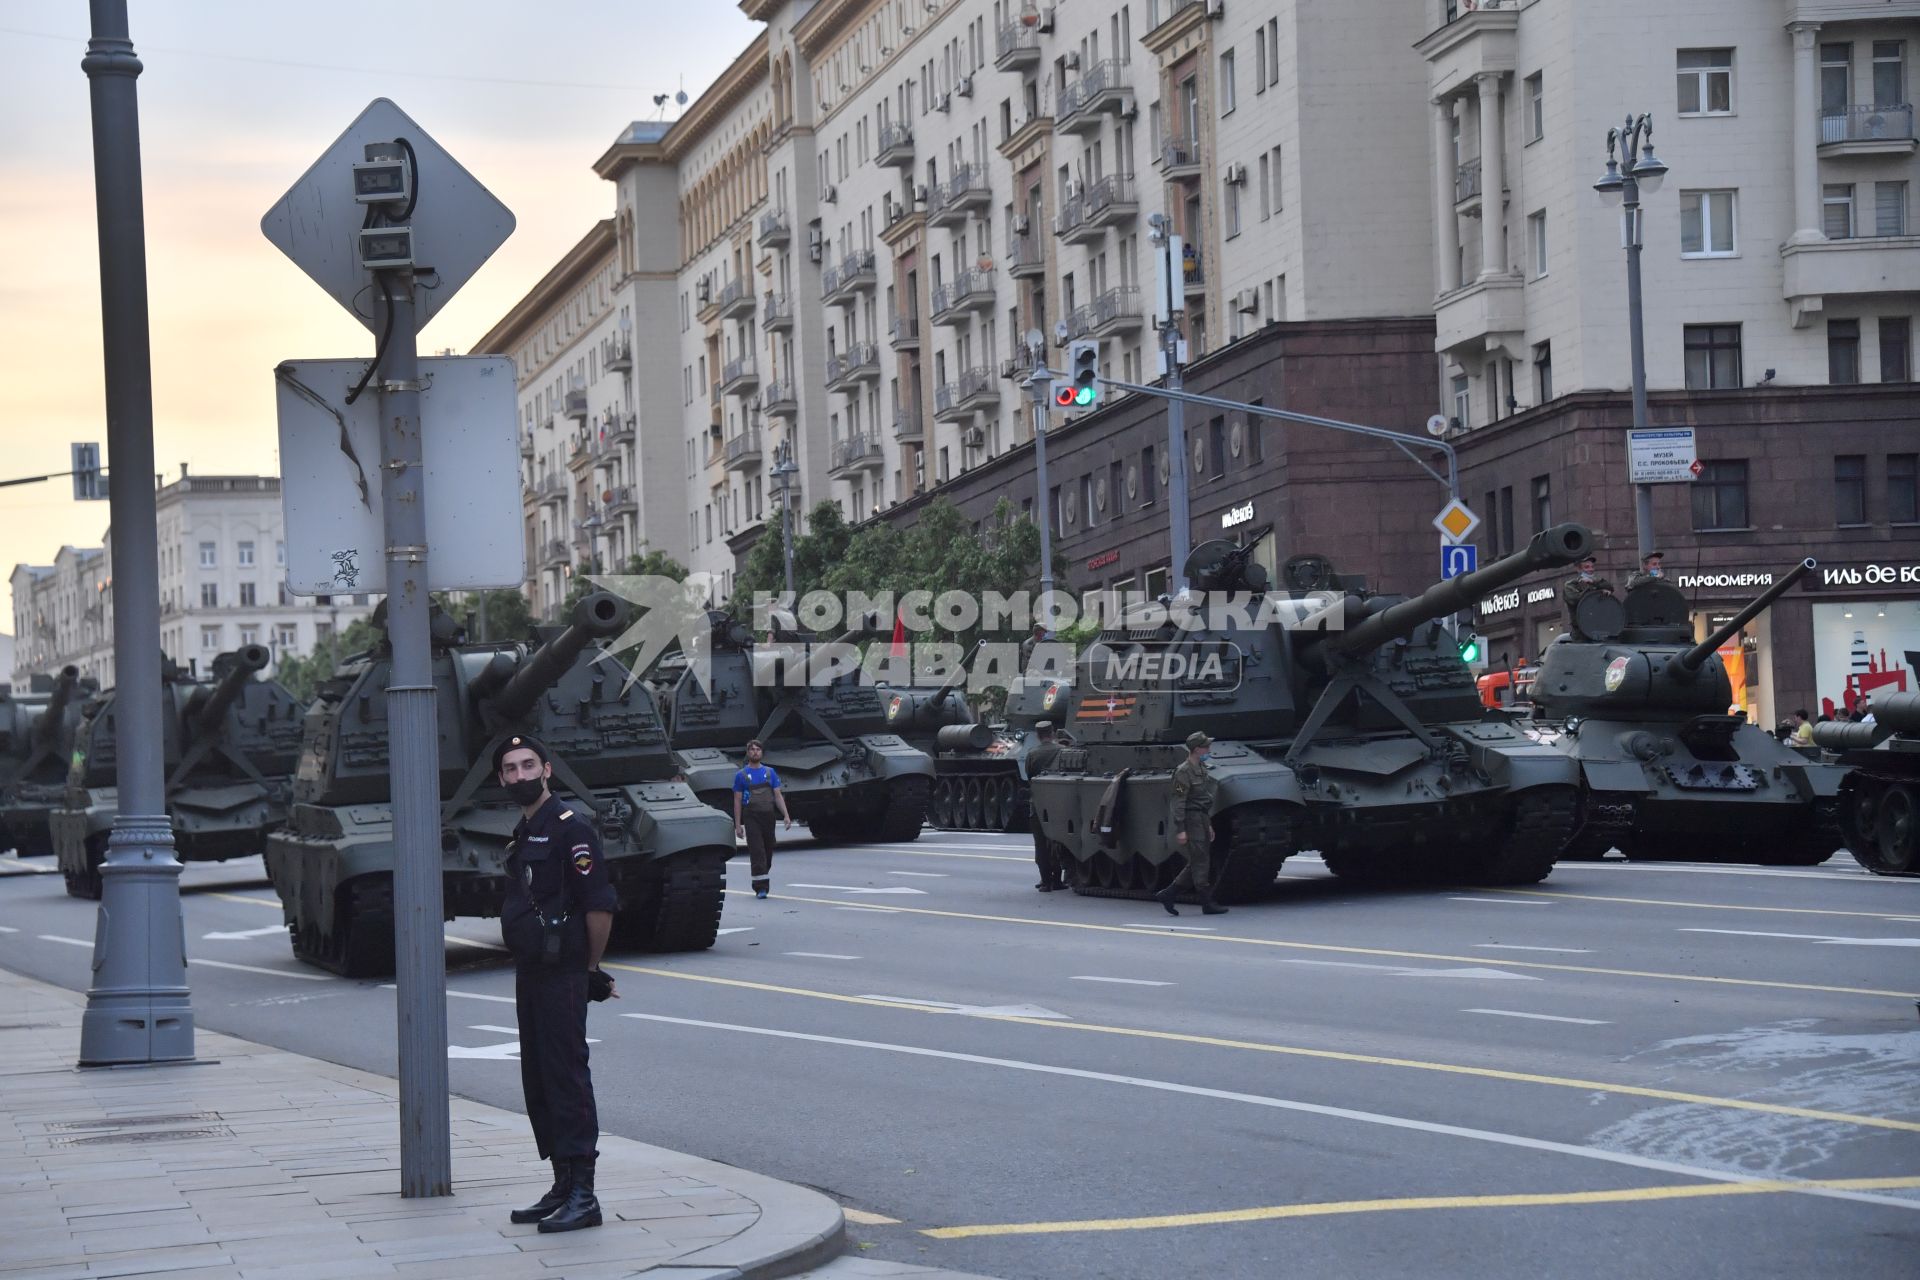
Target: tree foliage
point(303, 674)
point(655, 563)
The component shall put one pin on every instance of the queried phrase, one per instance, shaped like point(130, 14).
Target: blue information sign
point(1456, 560)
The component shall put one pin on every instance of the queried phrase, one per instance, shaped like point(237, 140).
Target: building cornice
point(740, 78)
point(828, 19)
point(903, 231)
point(760, 10)
point(1033, 131)
point(1466, 27)
point(1178, 26)
point(589, 255)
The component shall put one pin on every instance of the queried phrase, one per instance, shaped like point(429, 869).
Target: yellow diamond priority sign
point(1456, 520)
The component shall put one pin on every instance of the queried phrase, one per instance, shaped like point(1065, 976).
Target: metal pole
point(1041, 386)
point(138, 1008)
point(1636, 341)
point(1181, 522)
point(786, 469)
point(414, 770)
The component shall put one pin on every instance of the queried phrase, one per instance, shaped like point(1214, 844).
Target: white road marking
point(924, 875)
point(254, 968)
point(1823, 939)
point(1129, 982)
point(243, 933)
point(820, 955)
point(1857, 877)
point(1511, 902)
point(862, 889)
point(885, 911)
point(1407, 971)
point(7, 928)
point(72, 942)
point(475, 942)
point(742, 928)
point(1309, 1108)
point(462, 995)
point(976, 1010)
point(15, 867)
point(1182, 928)
point(1514, 946)
point(1540, 1017)
point(505, 1031)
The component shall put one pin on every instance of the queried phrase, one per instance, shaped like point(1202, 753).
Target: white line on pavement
point(1410, 971)
point(475, 942)
point(1514, 946)
point(1540, 1017)
point(862, 890)
point(1509, 902)
point(463, 995)
point(72, 942)
point(976, 1010)
point(924, 875)
point(1182, 928)
point(820, 955)
point(254, 968)
point(1129, 982)
point(1862, 877)
point(1825, 939)
point(505, 1031)
point(243, 933)
point(1287, 1104)
point(742, 928)
point(7, 928)
point(884, 911)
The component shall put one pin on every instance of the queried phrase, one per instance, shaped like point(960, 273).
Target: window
point(1273, 51)
point(1231, 203)
point(1088, 516)
point(1542, 502)
point(209, 595)
point(246, 555)
point(209, 555)
point(1896, 349)
point(1116, 488)
point(1227, 102)
point(286, 636)
point(280, 553)
point(248, 596)
point(210, 639)
point(1542, 372)
point(1149, 478)
point(1836, 84)
point(1260, 60)
point(1536, 117)
point(1266, 188)
point(1903, 488)
point(1836, 210)
point(1059, 515)
point(1537, 236)
point(1712, 356)
point(1256, 446)
point(1490, 526)
point(1706, 224)
point(1850, 489)
point(1506, 520)
point(1889, 208)
point(1706, 82)
point(250, 634)
point(1217, 448)
point(1843, 352)
point(1279, 178)
point(1720, 495)
point(1462, 402)
point(1889, 73)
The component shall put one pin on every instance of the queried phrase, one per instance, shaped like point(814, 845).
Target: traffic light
point(1469, 648)
point(1082, 389)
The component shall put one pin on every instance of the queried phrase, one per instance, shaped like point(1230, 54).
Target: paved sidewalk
point(259, 1163)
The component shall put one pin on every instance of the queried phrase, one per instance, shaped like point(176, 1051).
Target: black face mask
point(526, 790)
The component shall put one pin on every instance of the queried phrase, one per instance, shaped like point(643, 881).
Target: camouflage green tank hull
point(875, 790)
point(210, 824)
point(26, 811)
point(332, 867)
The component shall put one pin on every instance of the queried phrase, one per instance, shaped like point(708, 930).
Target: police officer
point(756, 795)
point(556, 918)
point(1190, 818)
point(1649, 570)
point(1039, 760)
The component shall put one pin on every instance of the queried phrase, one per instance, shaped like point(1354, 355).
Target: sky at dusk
point(237, 99)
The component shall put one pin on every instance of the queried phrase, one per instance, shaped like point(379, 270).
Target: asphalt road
point(1651, 1069)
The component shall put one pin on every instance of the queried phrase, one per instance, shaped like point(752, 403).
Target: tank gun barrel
point(245, 662)
point(1689, 662)
point(1845, 735)
point(47, 729)
point(1563, 544)
point(866, 627)
point(599, 615)
point(1899, 712)
point(945, 691)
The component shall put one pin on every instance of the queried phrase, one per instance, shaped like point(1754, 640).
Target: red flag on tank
point(899, 649)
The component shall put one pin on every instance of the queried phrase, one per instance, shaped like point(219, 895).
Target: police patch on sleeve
point(582, 859)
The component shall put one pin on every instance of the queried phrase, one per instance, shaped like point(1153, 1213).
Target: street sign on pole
point(1457, 559)
point(88, 484)
point(1662, 455)
point(1456, 520)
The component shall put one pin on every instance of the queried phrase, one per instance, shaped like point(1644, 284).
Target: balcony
point(856, 453)
point(1476, 39)
point(903, 332)
point(743, 451)
point(736, 300)
point(1116, 311)
point(623, 429)
point(1470, 321)
point(586, 449)
point(780, 400)
point(1026, 257)
point(1180, 157)
point(1466, 189)
point(1839, 268)
point(575, 406)
point(847, 279)
point(977, 389)
point(776, 315)
point(550, 490)
point(555, 554)
point(1867, 131)
point(907, 428)
point(1193, 275)
point(526, 444)
point(1017, 366)
point(896, 145)
point(857, 364)
point(1068, 224)
point(1112, 201)
point(955, 301)
point(621, 499)
point(776, 228)
point(949, 203)
point(1101, 91)
point(739, 377)
point(1016, 45)
point(619, 357)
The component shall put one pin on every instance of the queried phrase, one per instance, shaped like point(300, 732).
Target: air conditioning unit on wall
point(1247, 301)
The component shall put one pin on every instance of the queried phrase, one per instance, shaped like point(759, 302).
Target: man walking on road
point(1039, 760)
point(555, 920)
point(1190, 818)
point(756, 798)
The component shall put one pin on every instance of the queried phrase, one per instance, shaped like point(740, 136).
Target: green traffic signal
point(1470, 649)
point(1083, 396)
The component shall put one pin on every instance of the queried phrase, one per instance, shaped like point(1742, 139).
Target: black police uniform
point(555, 875)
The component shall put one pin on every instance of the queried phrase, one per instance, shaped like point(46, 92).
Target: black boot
point(1165, 898)
point(555, 1197)
point(1208, 907)
point(581, 1209)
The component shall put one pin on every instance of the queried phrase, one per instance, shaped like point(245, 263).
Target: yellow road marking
point(862, 1218)
point(240, 897)
point(1270, 1213)
point(1704, 906)
point(1482, 960)
point(1295, 1051)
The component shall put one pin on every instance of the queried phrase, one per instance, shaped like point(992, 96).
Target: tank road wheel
point(995, 792)
point(683, 914)
point(906, 810)
point(1897, 832)
point(1072, 870)
point(86, 883)
point(1254, 840)
point(1105, 872)
point(1019, 806)
point(971, 815)
point(362, 943)
point(1542, 821)
point(941, 810)
point(1859, 806)
point(827, 828)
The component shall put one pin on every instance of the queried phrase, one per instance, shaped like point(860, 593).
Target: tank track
point(1818, 840)
point(361, 943)
point(684, 912)
point(1862, 794)
point(906, 811)
point(1604, 824)
point(1544, 819)
point(958, 802)
point(1258, 839)
point(88, 884)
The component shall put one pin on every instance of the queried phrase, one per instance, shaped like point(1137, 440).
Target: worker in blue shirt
point(756, 798)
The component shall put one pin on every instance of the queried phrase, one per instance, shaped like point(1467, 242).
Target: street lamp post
point(783, 472)
point(1625, 179)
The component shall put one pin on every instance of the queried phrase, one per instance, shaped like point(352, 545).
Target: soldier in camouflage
point(1190, 818)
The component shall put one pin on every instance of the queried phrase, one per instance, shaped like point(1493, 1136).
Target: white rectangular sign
point(330, 476)
point(1662, 455)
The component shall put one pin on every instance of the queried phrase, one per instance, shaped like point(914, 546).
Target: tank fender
point(1247, 777)
point(1615, 775)
point(669, 819)
point(1535, 767)
point(1812, 780)
point(707, 769)
point(890, 756)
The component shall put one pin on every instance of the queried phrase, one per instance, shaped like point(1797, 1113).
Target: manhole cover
point(145, 1135)
point(127, 1122)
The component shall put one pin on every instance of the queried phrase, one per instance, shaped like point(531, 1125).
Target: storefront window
point(1860, 651)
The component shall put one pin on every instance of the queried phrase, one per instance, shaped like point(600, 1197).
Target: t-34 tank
point(1880, 796)
point(36, 739)
point(824, 731)
point(1668, 773)
point(332, 865)
point(1342, 721)
point(229, 747)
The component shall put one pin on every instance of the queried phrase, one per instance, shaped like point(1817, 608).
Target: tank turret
point(597, 617)
point(232, 671)
point(916, 712)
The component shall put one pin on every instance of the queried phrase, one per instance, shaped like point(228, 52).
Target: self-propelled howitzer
point(332, 866)
point(1880, 796)
point(1342, 721)
point(35, 742)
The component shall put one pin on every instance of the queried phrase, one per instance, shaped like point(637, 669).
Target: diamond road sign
point(457, 223)
point(1456, 520)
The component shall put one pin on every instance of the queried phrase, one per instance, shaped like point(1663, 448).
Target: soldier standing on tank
point(555, 920)
point(1039, 760)
point(1582, 584)
point(1190, 817)
point(1649, 570)
point(757, 795)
